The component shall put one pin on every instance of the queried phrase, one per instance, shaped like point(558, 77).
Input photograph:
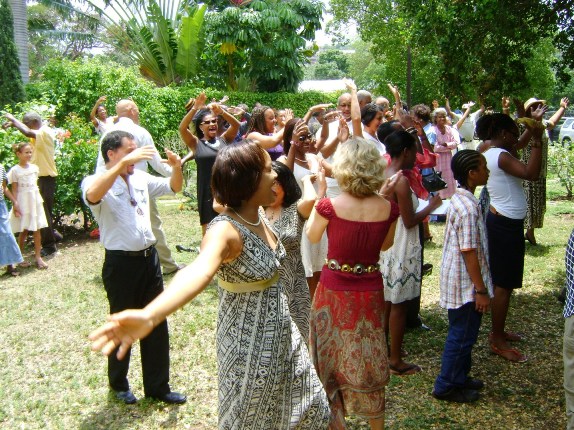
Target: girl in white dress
point(23, 179)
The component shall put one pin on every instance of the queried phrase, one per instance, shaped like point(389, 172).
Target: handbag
point(433, 182)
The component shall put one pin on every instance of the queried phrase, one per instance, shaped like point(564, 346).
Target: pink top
point(354, 242)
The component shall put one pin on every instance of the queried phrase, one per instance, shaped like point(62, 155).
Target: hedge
point(75, 86)
point(67, 92)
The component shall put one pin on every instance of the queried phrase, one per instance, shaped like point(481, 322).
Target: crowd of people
point(315, 229)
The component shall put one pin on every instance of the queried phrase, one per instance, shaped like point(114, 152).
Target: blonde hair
point(359, 167)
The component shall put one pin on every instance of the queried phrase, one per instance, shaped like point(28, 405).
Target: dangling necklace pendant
point(254, 224)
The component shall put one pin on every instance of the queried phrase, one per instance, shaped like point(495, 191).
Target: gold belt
point(248, 287)
point(357, 269)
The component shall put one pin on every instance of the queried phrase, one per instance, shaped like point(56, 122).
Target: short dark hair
point(288, 182)
point(237, 172)
point(32, 118)
point(198, 119)
point(112, 141)
point(463, 162)
point(397, 142)
point(386, 128)
point(369, 112)
point(422, 112)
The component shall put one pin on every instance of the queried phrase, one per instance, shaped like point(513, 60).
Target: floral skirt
point(349, 350)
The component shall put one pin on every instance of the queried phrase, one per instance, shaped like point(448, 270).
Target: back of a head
point(397, 142)
point(491, 125)
point(462, 163)
point(363, 96)
point(286, 179)
point(387, 128)
point(422, 112)
point(124, 107)
point(358, 167)
point(32, 119)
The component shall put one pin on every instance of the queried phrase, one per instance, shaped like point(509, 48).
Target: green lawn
point(49, 378)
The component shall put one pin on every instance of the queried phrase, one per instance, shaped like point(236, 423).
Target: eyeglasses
point(213, 121)
point(306, 137)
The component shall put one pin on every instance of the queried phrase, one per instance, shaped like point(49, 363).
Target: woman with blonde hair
point(347, 343)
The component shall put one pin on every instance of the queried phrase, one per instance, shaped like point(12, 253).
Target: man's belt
point(143, 253)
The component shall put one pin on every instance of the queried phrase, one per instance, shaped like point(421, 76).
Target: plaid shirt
point(569, 304)
point(465, 230)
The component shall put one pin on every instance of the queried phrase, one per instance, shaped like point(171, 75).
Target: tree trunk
point(21, 35)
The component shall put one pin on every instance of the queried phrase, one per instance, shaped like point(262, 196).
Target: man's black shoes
point(126, 396)
point(171, 398)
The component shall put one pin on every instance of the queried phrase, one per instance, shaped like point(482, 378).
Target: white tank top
point(506, 193)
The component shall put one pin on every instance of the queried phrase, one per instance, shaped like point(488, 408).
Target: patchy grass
point(50, 379)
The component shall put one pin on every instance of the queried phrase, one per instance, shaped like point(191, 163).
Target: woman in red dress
point(347, 343)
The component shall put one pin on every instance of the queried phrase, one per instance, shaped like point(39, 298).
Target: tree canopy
point(469, 47)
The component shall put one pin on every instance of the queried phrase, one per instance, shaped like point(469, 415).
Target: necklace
point(254, 224)
point(300, 161)
point(271, 218)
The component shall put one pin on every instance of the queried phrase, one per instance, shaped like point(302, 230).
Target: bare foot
point(41, 264)
point(24, 264)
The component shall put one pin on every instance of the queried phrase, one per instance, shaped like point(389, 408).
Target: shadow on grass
point(116, 415)
point(516, 396)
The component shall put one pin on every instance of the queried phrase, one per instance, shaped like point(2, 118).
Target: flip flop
point(410, 369)
point(511, 354)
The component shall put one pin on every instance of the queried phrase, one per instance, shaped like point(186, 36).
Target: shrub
point(561, 163)
point(75, 159)
point(75, 86)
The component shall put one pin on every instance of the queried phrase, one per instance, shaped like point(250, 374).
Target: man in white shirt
point(119, 196)
point(128, 120)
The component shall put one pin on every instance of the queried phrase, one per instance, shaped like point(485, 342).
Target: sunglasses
point(213, 121)
point(306, 137)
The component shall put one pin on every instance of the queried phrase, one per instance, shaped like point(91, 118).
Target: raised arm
point(233, 129)
point(175, 162)
point(313, 109)
point(464, 115)
point(104, 182)
point(185, 133)
point(515, 167)
point(95, 110)
point(310, 196)
point(23, 128)
point(355, 109)
point(558, 114)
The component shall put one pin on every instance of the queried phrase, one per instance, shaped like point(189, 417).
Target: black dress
point(205, 154)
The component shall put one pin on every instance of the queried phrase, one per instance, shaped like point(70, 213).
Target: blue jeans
point(463, 327)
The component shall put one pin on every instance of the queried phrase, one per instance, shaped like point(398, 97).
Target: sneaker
point(458, 395)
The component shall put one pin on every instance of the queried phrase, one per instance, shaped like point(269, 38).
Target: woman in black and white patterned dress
point(266, 379)
point(287, 215)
